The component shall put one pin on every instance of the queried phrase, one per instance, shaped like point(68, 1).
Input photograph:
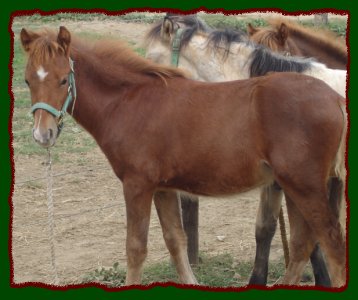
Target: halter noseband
point(71, 95)
point(176, 47)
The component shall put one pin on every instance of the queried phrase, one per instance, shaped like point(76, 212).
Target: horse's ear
point(251, 30)
point(167, 29)
point(64, 39)
point(283, 33)
point(27, 38)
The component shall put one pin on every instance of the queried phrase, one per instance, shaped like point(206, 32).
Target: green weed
point(214, 271)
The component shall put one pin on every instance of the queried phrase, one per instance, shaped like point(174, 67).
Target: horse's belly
point(226, 180)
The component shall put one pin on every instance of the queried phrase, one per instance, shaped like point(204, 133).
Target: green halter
point(70, 97)
point(176, 47)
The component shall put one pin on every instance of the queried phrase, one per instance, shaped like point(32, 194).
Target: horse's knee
point(136, 251)
point(265, 231)
point(176, 242)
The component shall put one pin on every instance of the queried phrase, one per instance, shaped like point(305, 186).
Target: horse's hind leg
point(266, 221)
point(319, 268)
point(322, 225)
point(168, 208)
point(317, 260)
point(270, 204)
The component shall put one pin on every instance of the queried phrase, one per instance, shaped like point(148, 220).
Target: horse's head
point(47, 75)
point(274, 39)
point(161, 38)
point(168, 42)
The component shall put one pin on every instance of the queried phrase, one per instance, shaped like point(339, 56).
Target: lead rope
point(51, 217)
point(284, 237)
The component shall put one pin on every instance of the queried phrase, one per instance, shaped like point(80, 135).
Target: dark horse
point(242, 134)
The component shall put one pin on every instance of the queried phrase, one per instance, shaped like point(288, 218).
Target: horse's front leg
point(266, 221)
point(169, 212)
point(138, 197)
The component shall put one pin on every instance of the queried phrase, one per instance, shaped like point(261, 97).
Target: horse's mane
point(267, 38)
point(264, 61)
point(218, 39)
point(223, 39)
point(323, 38)
point(107, 57)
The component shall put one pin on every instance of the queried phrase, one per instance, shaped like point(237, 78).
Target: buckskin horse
point(241, 135)
point(221, 55)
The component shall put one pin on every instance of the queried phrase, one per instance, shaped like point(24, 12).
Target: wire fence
point(23, 182)
point(43, 221)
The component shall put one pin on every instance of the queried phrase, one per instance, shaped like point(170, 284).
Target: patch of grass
point(214, 271)
point(338, 26)
point(221, 271)
point(77, 17)
point(114, 276)
point(140, 17)
point(160, 272)
point(220, 21)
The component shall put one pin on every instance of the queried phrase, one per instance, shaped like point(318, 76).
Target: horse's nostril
point(50, 131)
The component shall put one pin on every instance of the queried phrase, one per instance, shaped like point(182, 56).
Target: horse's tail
point(340, 170)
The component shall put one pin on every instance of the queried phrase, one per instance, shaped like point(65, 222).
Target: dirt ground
point(89, 211)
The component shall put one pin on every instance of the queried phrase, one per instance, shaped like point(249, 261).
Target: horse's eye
point(64, 81)
point(28, 84)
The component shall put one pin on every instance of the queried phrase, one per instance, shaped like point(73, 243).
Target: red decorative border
point(166, 284)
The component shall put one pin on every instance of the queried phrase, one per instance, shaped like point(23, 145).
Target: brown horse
point(242, 134)
point(293, 39)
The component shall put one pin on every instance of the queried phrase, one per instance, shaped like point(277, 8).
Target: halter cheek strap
point(176, 47)
point(71, 96)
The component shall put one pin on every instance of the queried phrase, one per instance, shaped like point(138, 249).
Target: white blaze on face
point(36, 132)
point(41, 73)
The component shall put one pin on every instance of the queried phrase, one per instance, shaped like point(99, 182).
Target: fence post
point(320, 19)
point(190, 215)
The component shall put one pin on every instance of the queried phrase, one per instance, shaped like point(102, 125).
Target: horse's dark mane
point(218, 39)
point(262, 60)
point(265, 61)
point(222, 39)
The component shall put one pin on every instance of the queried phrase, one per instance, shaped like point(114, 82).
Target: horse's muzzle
point(45, 138)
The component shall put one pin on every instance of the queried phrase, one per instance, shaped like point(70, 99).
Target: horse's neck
point(335, 78)
point(323, 51)
point(306, 46)
point(94, 99)
point(208, 64)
